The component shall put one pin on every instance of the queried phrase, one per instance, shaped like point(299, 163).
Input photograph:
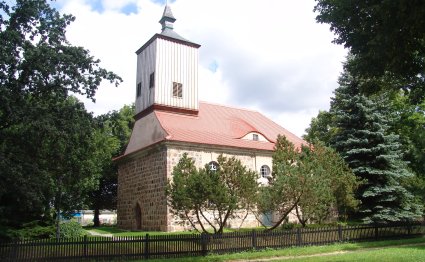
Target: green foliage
point(70, 229)
point(374, 154)
point(46, 135)
point(111, 136)
point(310, 180)
point(387, 44)
point(31, 230)
point(285, 187)
point(410, 128)
point(208, 198)
point(329, 188)
point(387, 37)
point(321, 128)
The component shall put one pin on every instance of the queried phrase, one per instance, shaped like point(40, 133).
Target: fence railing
point(169, 246)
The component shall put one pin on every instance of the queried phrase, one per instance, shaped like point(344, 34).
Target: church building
point(171, 121)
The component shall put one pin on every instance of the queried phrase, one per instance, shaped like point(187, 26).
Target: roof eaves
point(168, 136)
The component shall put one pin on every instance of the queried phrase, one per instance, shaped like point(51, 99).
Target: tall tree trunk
point(58, 230)
point(300, 219)
point(58, 215)
point(58, 200)
point(96, 220)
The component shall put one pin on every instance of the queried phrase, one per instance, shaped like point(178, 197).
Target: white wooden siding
point(172, 62)
point(177, 63)
point(146, 61)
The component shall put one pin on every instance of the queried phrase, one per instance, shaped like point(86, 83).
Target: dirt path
point(320, 255)
point(94, 233)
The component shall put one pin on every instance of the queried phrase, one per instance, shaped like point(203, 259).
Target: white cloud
point(268, 55)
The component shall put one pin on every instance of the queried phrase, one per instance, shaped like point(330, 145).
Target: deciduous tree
point(209, 198)
point(45, 134)
point(387, 37)
point(112, 133)
point(312, 181)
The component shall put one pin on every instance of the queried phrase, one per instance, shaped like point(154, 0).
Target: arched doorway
point(138, 216)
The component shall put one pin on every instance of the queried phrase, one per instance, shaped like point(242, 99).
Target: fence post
point(376, 232)
point(254, 239)
point(15, 246)
point(147, 246)
point(204, 243)
point(340, 233)
point(85, 246)
point(299, 237)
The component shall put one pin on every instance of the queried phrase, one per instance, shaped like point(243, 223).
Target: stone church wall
point(202, 156)
point(141, 181)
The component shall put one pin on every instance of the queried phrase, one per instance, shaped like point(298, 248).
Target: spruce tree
point(363, 140)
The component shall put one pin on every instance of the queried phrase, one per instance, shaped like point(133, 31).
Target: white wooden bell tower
point(167, 72)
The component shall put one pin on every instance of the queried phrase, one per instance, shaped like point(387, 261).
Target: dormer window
point(177, 90)
point(255, 136)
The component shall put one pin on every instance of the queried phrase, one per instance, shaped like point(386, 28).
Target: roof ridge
point(232, 107)
point(271, 120)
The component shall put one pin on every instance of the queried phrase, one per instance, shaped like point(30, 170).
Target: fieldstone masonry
point(143, 177)
point(141, 181)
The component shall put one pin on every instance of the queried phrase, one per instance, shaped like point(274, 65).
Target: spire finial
point(167, 19)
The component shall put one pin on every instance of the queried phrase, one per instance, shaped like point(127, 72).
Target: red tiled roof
point(224, 126)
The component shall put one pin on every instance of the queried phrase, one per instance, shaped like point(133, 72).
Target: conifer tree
point(363, 140)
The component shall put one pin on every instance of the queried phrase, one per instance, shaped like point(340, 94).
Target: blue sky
point(97, 5)
point(266, 55)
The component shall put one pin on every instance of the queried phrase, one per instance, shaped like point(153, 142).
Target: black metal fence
point(169, 246)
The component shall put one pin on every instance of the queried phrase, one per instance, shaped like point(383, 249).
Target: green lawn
point(388, 254)
point(119, 232)
point(364, 251)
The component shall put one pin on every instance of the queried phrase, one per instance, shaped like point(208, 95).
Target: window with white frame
point(265, 171)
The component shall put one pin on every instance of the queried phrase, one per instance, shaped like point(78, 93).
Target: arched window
point(213, 166)
point(265, 171)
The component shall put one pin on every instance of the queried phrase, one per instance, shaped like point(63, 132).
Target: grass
point(405, 254)
point(363, 251)
point(120, 232)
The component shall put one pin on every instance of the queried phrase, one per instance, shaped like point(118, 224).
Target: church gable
point(146, 131)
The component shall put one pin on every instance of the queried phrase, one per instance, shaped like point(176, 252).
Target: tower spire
point(167, 18)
